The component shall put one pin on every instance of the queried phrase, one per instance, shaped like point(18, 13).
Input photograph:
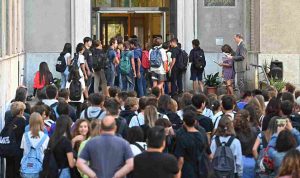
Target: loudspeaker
point(276, 70)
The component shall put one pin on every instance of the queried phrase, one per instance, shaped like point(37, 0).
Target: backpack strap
point(41, 141)
point(101, 111)
point(86, 114)
point(28, 140)
point(217, 119)
point(264, 140)
point(218, 142)
point(230, 141)
point(139, 146)
point(137, 118)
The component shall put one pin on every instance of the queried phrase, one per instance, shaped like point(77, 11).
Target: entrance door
point(113, 26)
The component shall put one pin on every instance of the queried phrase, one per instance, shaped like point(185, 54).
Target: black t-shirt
point(206, 123)
point(188, 146)
point(63, 147)
point(88, 57)
point(155, 165)
point(175, 53)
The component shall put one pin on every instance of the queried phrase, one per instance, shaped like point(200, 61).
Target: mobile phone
point(281, 122)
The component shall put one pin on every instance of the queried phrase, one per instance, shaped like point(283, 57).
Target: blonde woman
point(151, 117)
point(34, 142)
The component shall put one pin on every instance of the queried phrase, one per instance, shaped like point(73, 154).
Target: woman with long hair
point(225, 133)
point(151, 116)
point(42, 78)
point(290, 166)
point(60, 143)
point(272, 109)
point(66, 53)
point(80, 133)
point(36, 139)
point(246, 135)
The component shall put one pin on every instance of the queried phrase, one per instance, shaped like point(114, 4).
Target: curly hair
point(290, 164)
point(241, 122)
point(225, 127)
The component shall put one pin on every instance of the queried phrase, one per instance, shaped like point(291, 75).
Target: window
point(219, 2)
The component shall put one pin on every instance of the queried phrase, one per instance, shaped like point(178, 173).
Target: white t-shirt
point(135, 150)
point(80, 61)
point(67, 56)
point(180, 114)
point(137, 120)
point(34, 142)
point(161, 69)
point(81, 80)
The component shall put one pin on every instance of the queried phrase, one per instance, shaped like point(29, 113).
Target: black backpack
point(8, 143)
point(199, 60)
point(99, 60)
point(50, 167)
point(183, 60)
point(75, 90)
point(91, 118)
point(61, 63)
point(74, 63)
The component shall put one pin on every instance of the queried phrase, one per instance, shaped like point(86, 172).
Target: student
point(247, 136)
point(158, 60)
point(17, 123)
point(217, 110)
point(189, 146)
point(290, 167)
point(118, 50)
point(127, 68)
point(151, 117)
point(227, 68)
point(224, 132)
point(184, 101)
point(33, 143)
point(80, 133)
point(65, 94)
point(131, 107)
point(88, 57)
point(227, 103)
point(197, 58)
point(60, 143)
point(140, 118)
point(95, 111)
point(112, 62)
point(51, 93)
point(154, 163)
point(140, 71)
point(272, 109)
point(167, 48)
point(120, 164)
point(176, 74)
point(67, 51)
point(42, 78)
point(76, 88)
point(136, 139)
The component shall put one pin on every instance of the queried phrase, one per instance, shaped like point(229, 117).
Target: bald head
point(108, 124)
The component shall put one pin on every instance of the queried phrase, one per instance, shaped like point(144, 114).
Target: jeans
point(111, 75)
point(127, 82)
point(141, 84)
point(36, 175)
point(64, 78)
point(248, 167)
point(65, 173)
point(176, 81)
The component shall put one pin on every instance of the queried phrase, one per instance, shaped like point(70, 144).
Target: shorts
point(158, 77)
point(196, 75)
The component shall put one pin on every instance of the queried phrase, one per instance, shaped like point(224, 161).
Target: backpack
point(74, 63)
point(223, 162)
point(182, 60)
point(155, 58)
point(75, 90)
point(8, 143)
point(121, 127)
point(32, 162)
point(199, 60)
point(53, 114)
point(99, 60)
point(145, 60)
point(91, 118)
point(125, 64)
point(50, 167)
point(61, 63)
point(264, 165)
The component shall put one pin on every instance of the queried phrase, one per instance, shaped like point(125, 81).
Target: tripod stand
point(261, 80)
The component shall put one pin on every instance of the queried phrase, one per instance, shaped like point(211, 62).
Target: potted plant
point(212, 81)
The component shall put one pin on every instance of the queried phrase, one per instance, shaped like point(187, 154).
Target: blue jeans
point(64, 78)
point(111, 75)
point(141, 84)
point(65, 173)
point(248, 167)
point(127, 82)
point(35, 175)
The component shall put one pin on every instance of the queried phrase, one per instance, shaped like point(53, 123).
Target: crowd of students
point(190, 135)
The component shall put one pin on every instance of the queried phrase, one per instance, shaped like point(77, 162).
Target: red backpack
point(145, 60)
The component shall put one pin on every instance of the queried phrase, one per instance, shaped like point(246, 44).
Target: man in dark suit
point(240, 62)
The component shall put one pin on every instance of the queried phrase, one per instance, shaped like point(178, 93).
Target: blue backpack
point(32, 162)
point(155, 58)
